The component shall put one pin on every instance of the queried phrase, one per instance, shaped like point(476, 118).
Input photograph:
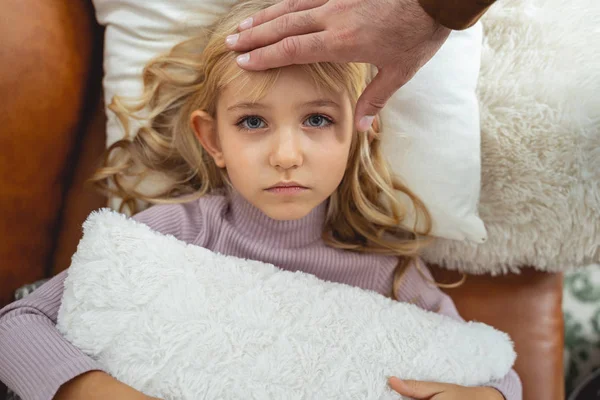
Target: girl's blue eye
point(252, 122)
point(318, 121)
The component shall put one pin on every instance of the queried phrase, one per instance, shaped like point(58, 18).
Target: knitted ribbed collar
point(251, 221)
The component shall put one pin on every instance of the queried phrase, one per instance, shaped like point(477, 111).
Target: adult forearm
point(456, 14)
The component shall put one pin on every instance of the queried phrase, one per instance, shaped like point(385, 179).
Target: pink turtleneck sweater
point(35, 360)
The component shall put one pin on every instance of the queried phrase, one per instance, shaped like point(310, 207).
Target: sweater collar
point(251, 221)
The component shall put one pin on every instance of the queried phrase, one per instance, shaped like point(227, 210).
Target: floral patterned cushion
point(28, 289)
point(589, 389)
point(581, 306)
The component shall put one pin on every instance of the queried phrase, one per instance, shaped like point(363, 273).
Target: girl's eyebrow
point(321, 103)
point(248, 105)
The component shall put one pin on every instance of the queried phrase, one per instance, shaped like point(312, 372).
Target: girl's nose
point(287, 150)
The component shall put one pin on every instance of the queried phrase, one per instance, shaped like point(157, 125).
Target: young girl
point(263, 165)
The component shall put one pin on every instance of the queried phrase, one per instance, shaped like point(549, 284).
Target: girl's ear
point(205, 129)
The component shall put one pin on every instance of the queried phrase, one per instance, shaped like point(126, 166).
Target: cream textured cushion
point(431, 125)
point(178, 321)
point(539, 92)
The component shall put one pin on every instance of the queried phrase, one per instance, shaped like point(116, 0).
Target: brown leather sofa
point(52, 133)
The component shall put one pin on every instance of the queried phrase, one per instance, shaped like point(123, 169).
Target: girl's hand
point(97, 385)
point(442, 391)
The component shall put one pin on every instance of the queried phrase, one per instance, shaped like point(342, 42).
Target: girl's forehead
point(284, 84)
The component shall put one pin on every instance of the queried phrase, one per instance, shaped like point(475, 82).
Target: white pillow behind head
point(431, 126)
point(431, 136)
point(136, 32)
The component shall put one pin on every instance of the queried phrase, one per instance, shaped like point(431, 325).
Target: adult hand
point(442, 391)
point(397, 36)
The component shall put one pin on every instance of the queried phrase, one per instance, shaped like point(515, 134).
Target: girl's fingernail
point(392, 380)
point(365, 123)
point(243, 59)
point(246, 24)
point(231, 40)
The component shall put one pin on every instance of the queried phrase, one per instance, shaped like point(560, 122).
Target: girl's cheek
point(342, 134)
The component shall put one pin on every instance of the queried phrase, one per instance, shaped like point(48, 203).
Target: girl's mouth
point(287, 188)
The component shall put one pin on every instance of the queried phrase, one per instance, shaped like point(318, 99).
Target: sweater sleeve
point(35, 359)
point(456, 14)
point(415, 288)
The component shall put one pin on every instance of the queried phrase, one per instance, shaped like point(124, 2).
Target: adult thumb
point(375, 96)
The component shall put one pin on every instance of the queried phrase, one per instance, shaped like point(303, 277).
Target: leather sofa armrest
point(527, 306)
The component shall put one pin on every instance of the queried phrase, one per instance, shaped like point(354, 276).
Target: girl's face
point(285, 153)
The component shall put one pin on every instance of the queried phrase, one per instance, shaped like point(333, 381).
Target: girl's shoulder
point(186, 221)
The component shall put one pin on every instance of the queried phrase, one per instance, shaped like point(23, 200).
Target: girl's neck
point(251, 221)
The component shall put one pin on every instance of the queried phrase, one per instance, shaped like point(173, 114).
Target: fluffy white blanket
point(539, 93)
point(178, 321)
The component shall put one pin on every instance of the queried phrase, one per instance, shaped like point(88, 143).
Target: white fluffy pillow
point(178, 321)
point(539, 94)
point(431, 124)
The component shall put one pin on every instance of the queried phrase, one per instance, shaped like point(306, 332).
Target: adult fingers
point(303, 49)
point(375, 96)
point(416, 389)
point(294, 24)
point(277, 10)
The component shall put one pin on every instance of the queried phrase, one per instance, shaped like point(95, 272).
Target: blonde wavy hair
point(364, 213)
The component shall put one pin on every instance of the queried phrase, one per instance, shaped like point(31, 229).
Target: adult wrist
point(456, 14)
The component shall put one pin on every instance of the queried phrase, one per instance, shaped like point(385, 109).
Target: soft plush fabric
point(540, 117)
point(437, 112)
point(176, 321)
